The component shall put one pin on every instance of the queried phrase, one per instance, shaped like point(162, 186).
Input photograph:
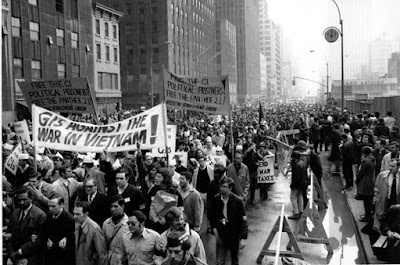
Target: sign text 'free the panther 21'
point(63, 95)
point(207, 94)
point(57, 132)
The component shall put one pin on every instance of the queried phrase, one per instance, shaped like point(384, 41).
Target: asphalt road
point(337, 221)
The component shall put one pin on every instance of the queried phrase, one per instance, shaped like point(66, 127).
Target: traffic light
point(294, 81)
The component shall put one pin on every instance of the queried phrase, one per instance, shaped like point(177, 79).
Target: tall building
point(7, 85)
point(226, 55)
point(243, 14)
point(358, 22)
point(394, 66)
point(379, 51)
point(270, 47)
point(107, 63)
point(50, 40)
point(174, 34)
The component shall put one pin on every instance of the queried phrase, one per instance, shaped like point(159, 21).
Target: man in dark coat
point(25, 236)
point(59, 229)
point(390, 227)
point(349, 159)
point(228, 221)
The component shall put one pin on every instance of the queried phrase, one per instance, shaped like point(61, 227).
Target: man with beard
point(24, 238)
point(114, 227)
point(228, 222)
point(59, 229)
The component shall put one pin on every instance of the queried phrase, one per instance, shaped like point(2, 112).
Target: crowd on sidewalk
point(85, 208)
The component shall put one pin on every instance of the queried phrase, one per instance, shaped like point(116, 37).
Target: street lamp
point(151, 70)
point(341, 40)
point(327, 77)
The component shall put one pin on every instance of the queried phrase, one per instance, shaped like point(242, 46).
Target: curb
point(360, 243)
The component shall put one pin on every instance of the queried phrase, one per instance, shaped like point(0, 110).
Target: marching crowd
point(134, 208)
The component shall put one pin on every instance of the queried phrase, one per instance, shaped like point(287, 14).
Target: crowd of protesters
point(82, 208)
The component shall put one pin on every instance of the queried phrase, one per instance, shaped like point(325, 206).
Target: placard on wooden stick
point(265, 251)
point(311, 230)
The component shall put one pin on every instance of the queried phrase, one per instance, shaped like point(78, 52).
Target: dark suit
point(22, 235)
point(349, 158)
point(55, 230)
point(99, 208)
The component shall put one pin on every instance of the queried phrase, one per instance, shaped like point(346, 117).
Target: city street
point(337, 221)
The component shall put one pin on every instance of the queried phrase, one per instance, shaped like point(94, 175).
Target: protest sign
point(62, 95)
point(57, 132)
point(220, 159)
point(12, 161)
point(265, 170)
point(22, 131)
point(207, 94)
point(182, 156)
point(171, 143)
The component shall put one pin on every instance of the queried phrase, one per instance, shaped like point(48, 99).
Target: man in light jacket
point(90, 245)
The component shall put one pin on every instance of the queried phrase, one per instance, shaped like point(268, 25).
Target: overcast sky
point(304, 21)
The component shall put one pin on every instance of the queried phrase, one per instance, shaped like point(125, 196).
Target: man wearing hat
point(92, 172)
point(178, 250)
point(23, 171)
point(54, 174)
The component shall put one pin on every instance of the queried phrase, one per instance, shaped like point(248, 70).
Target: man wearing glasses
point(139, 243)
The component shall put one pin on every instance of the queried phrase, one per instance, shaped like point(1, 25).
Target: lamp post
point(151, 70)
point(341, 40)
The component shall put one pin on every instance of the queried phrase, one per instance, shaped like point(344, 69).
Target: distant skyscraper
point(243, 14)
point(379, 51)
point(358, 30)
point(270, 47)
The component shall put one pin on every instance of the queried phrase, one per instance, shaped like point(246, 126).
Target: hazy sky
point(304, 21)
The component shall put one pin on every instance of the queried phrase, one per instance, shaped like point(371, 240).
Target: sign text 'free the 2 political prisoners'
point(207, 94)
point(63, 95)
point(57, 132)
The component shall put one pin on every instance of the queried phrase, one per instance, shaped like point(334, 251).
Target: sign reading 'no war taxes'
point(63, 95)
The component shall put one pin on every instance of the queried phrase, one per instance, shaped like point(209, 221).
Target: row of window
point(106, 29)
point(36, 69)
point(107, 53)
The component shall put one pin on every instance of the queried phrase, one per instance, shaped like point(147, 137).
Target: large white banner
point(171, 143)
point(57, 132)
point(207, 94)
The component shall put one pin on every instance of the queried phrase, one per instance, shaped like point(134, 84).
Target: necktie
point(22, 217)
point(90, 199)
point(393, 194)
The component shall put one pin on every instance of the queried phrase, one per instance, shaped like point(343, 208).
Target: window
point(75, 71)
point(141, 28)
point(34, 30)
point(115, 55)
point(75, 57)
point(60, 37)
point(61, 71)
point(33, 13)
point(60, 6)
point(115, 36)
point(99, 81)
point(32, 2)
point(172, 9)
point(114, 81)
point(36, 69)
point(74, 40)
point(35, 50)
point(61, 54)
point(17, 47)
point(74, 8)
point(97, 26)
point(107, 81)
point(98, 51)
point(106, 29)
point(16, 27)
point(177, 11)
point(154, 27)
point(107, 53)
point(173, 29)
point(18, 69)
